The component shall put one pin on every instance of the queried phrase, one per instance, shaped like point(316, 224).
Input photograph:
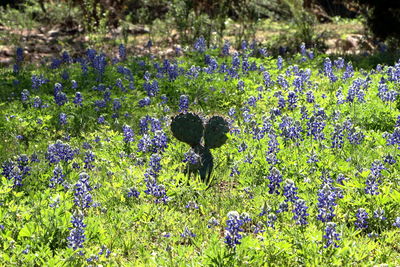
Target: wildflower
point(362, 217)
point(60, 151)
point(300, 212)
point(128, 134)
point(212, 222)
point(331, 236)
point(275, 179)
point(183, 103)
point(233, 229)
point(77, 236)
point(200, 45)
point(58, 176)
point(82, 196)
point(290, 191)
point(397, 222)
point(133, 192)
point(187, 233)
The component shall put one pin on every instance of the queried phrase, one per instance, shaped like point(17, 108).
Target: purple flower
point(63, 119)
point(200, 45)
point(128, 134)
point(331, 236)
point(233, 229)
point(133, 192)
point(60, 151)
point(183, 103)
point(290, 191)
point(82, 196)
point(76, 236)
point(362, 217)
point(300, 212)
point(275, 179)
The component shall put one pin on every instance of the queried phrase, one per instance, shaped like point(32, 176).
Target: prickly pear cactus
point(215, 132)
point(188, 128)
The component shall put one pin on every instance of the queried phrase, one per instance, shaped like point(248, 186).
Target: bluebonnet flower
point(355, 90)
point(312, 158)
point(234, 171)
point(315, 127)
point(101, 119)
point(63, 118)
point(354, 137)
point(275, 179)
point(339, 63)
point(60, 152)
point(60, 98)
point(328, 194)
point(240, 85)
point(303, 50)
point(82, 196)
point(99, 64)
point(267, 79)
point(310, 97)
point(183, 103)
point(331, 236)
point(279, 63)
point(349, 71)
point(362, 217)
point(128, 134)
point(300, 212)
point(397, 222)
point(89, 159)
point(233, 229)
point(292, 100)
point(290, 129)
point(379, 214)
point(337, 136)
point(385, 95)
point(122, 52)
point(58, 176)
point(282, 82)
point(116, 104)
point(271, 219)
point(225, 48)
point(192, 205)
point(145, 102)
point(389, 159)
point(159, 141)
point(187, 233)
point(74, 84)
point(290, 191)
point(374, 178)
point(154, 165)
point(200, 45)
point(151, 88)
point(78, 99)
point(76, 236)
point(145, 143)
point(235, 61)
point(212, 222)
point(19, 57)
point(37, 102)
point(105, 250)
point(133, 192)
point(156, 190)
point(16, 171)
point(328, 71)
point(283, 207)
point(192, 157)
point(55, 63)
point(25, 95)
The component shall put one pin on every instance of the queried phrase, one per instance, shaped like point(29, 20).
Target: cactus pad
point(188, 128)
point(215, 132)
